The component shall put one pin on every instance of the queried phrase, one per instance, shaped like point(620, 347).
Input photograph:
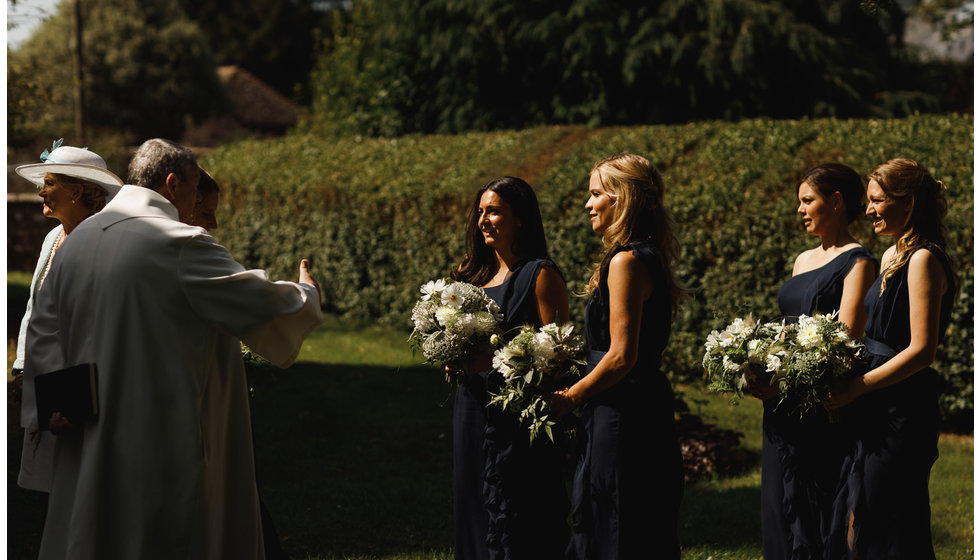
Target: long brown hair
point(639, 214)
point(908, 179)
point(479, 264)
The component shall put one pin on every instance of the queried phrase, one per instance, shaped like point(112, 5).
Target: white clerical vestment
point(167, 469)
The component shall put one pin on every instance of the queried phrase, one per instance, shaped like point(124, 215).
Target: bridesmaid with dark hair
point(883, 509)
point(802, 457)
point(627, 489)
point(509, 497)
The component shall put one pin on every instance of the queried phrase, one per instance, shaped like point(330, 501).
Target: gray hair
point(156, 159)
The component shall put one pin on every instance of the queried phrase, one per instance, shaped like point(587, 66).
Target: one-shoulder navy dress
point(802, 457)
point(887, 484)
point(627, 488)
point(510, 499)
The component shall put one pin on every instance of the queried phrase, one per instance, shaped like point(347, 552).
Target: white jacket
point(167, 470)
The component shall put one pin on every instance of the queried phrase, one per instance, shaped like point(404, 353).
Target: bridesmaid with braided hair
point(882, 510)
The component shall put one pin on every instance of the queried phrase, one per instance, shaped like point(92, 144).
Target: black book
point(73, 391)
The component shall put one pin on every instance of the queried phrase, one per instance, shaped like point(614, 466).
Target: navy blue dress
point(887, 483)
point(627, 489)
point(510, 497)
point(802, 457)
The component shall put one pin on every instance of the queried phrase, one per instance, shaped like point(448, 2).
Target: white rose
point(808, 335)
point(544, 345)
point(713, 341)
point(500, 363)
point(467, 325)
point(773, 362)
point(726, 339)
point(446, 315)
point(742, 327)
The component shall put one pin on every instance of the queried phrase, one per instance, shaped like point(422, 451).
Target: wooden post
point(78, 75)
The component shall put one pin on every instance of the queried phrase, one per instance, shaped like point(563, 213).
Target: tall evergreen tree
point(455, 65)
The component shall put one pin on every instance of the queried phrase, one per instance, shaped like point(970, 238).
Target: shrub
point(379, 216)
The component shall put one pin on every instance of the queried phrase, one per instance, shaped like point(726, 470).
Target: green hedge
point(380, 216)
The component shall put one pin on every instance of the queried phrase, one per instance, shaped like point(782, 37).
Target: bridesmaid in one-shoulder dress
point(883, 508)
point(509, 497)
point(628, 484)
point(802, 457)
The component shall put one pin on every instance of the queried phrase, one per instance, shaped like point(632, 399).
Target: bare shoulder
point(802, 261)
point(925, 259)
point(926, 271)
point(627, 270)
point(624, 262)
point(862, 275)
point(863, 266)
point(887, 257)
point(549, 276)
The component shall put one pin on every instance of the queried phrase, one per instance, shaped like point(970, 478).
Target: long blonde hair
point(903, 179)
point(639, 214)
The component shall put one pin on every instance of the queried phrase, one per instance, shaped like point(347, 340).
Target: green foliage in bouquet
point(819, 353)
point(533, 364)
point(452, 320)
point(746, 352)
point(250, 357)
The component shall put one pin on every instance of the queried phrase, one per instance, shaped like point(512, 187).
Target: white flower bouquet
point(820, 351)
point(452, 320)
point(746, 351)
point(533, 364)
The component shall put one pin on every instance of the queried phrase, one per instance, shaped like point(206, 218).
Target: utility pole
point(78, 74)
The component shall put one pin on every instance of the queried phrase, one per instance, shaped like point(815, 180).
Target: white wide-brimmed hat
point(73, 162)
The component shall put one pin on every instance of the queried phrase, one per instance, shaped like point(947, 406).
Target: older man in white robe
point(166, 471)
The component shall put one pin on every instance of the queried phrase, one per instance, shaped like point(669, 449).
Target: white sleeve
point(272, 318)
point(46, 247)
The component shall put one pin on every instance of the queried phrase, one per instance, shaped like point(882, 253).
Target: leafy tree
point(457, 65)
point(357, 81)
point(273, 39)
point(147, 69)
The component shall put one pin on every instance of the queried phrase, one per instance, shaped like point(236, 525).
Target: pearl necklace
point(47, 267)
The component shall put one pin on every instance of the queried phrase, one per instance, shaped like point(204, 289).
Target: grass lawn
point(354, 450)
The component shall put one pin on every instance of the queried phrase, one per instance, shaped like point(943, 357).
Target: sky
point(23, 17)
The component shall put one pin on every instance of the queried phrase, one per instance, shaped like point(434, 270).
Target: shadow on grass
point(355, 460)
point(721, 518)
point(351, 460)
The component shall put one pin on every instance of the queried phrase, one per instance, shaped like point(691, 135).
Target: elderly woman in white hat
point(74, 183)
